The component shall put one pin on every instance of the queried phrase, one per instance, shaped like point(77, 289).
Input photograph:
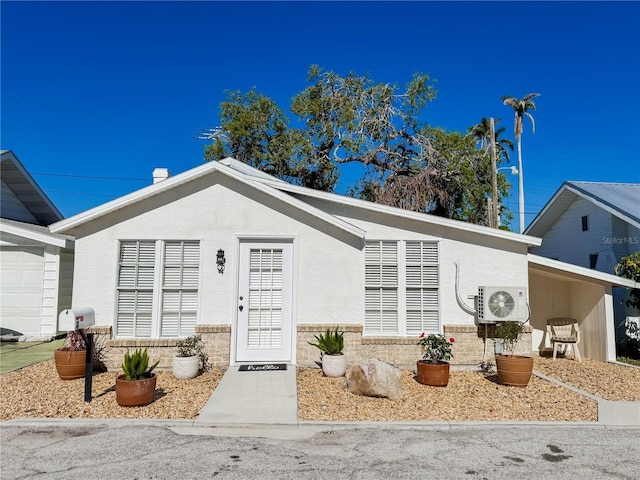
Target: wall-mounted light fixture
point(220, 261)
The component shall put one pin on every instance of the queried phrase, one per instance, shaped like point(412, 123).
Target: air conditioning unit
point(502, 304)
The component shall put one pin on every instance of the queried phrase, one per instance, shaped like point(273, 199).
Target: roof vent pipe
point(160, 174)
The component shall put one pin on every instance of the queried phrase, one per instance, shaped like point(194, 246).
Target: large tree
point(457, 189)
point(520, 109)
point(352, 119)
point(254, 130)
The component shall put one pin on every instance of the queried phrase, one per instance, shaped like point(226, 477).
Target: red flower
point(421, 335)
point(451, 340)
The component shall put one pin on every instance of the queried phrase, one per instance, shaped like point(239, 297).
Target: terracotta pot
point(433, 374)
point(186, 367)
point(334, 365)
point(135, 393)
point(70, 364)
point(514, 370)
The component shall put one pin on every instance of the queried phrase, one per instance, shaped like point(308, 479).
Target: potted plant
point(191, 358)
point(514, 370)
point(71, 358)
point(137, 385)
point(433, 369)
point(331, 345)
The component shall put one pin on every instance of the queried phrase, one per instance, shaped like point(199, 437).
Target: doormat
point(263, 367)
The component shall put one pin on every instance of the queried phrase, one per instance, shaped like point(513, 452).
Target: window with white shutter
point(180, 288)
point(135, 289)
point(401, 288)
point(158, 284)
point(381, 288)
point(422, 288)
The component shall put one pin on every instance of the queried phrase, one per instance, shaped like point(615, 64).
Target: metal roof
point(619, 199)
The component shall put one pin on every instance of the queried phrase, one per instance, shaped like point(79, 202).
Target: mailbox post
point(79, 319)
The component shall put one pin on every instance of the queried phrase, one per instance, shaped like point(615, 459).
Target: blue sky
point(115, 89)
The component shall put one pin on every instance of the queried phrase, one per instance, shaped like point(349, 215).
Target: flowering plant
point(435, 348)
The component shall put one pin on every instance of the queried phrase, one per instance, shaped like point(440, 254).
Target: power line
point(82, 193)
point(67, 175)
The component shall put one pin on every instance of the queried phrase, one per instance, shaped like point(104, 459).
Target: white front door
point(264, 303)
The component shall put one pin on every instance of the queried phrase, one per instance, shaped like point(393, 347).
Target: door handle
point(240, 307)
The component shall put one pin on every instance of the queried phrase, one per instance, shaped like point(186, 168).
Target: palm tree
point(520, 107)
point(482, 134)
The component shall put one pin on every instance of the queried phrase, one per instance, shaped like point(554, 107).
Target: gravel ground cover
point(606, 380)
point(37, 391)
point(469, 396)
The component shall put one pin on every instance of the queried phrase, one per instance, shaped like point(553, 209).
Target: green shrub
point(629, 267)
point(192, 346)
point(509, 334)
point(136, 366)
point(331, 343)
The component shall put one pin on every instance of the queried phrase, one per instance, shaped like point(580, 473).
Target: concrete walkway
point(252, 398)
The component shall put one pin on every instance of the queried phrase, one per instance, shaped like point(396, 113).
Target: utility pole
point(494, 176)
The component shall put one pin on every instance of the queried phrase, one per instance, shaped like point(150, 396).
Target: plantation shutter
point(422, 281)
point(135, 288)
point(381, 288)
point(180, 280)
point(266, 284)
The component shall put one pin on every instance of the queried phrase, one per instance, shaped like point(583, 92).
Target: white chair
point(565, 333)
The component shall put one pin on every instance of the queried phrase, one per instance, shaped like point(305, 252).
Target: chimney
point(160, 174)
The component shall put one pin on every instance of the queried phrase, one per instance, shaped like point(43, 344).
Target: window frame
point(585, 223)
point(158, 288)
point(402, 288)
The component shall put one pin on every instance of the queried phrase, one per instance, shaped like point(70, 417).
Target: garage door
point(21, 279)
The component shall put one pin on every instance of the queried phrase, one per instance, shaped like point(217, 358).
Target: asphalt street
point(138, 450)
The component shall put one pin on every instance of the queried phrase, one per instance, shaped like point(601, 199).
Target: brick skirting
point(469, 347)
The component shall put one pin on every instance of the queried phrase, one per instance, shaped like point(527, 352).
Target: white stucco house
point(593, 225)
point(258, 266)
point(36, 266)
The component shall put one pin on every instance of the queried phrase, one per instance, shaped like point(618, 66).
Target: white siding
point(567, 242)
point(50, 291)
point(65, 282)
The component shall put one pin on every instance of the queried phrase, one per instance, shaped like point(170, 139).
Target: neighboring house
point(36, 266)
point(258, 267)
point(593, 225)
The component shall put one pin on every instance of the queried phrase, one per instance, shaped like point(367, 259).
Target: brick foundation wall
point(468, 347)
point(216, 340)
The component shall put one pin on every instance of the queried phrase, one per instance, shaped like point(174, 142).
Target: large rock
point(374, 378)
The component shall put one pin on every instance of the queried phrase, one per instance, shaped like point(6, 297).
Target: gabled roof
point(189, 175)
point(288, 193)
point(399, 212)
point(25, 188)
point(36, 233)
point(619, 199)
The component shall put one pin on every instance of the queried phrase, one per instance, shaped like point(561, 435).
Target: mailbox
point(76, 318)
